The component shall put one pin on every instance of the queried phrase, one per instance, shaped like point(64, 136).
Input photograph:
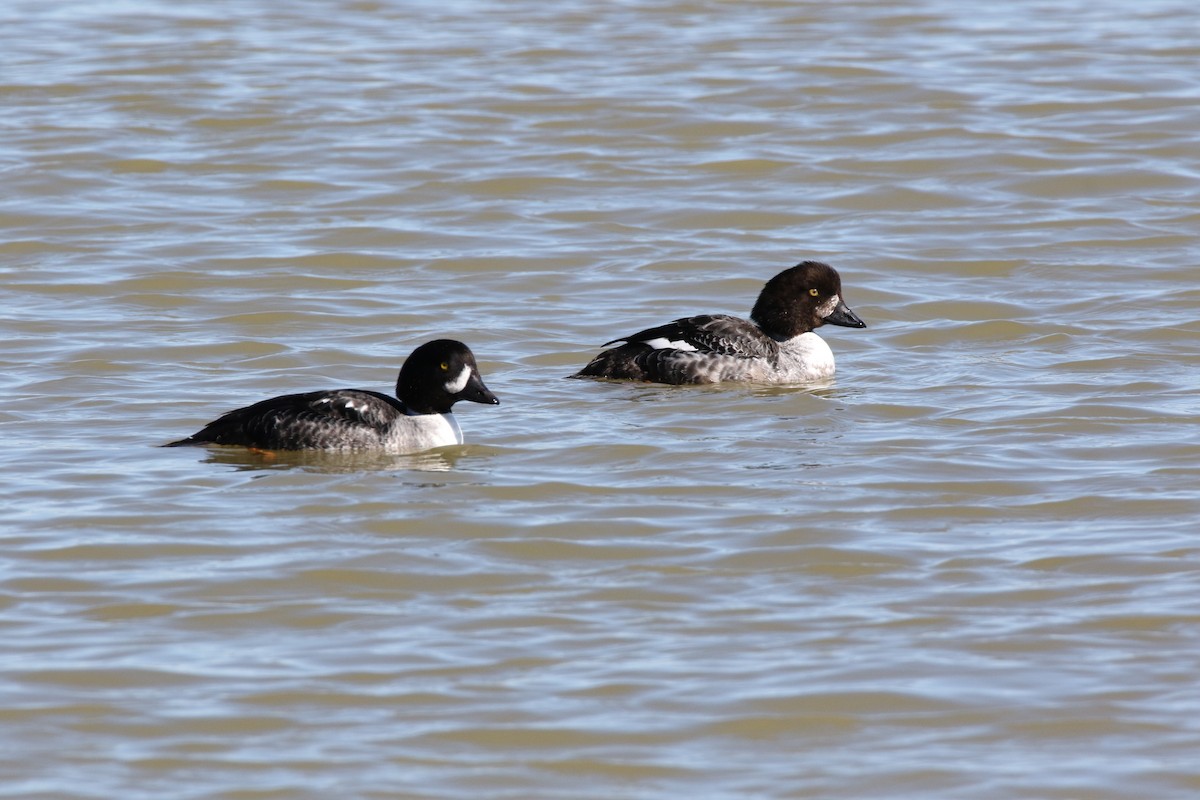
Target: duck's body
point(776, 346)
point(714, 348)
point(434, 377)
point(340, 419)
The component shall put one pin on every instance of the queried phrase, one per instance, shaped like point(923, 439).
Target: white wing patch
point(458, 384)
point(663, 343)
point(342, 404)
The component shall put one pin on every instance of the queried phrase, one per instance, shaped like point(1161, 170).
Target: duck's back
point(342, 419)
point(710, 348)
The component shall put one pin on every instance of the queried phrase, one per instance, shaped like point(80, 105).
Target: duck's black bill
point(476, 392)
point(842, 315)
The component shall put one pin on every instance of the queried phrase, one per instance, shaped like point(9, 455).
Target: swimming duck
point(776, 345)
point(436, 376)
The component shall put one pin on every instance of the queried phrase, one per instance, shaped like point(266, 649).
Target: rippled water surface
point(968, 567)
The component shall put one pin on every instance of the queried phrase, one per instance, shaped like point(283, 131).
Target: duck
point(432, 379)
point(777, 345)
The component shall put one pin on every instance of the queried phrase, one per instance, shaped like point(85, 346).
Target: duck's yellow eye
point(813, 292)
point(444, 366)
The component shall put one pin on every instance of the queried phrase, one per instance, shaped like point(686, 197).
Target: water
point(966, 567)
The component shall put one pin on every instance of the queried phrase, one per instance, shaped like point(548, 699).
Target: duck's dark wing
point(705, 349)
point(333, 419)
point(719, 334)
